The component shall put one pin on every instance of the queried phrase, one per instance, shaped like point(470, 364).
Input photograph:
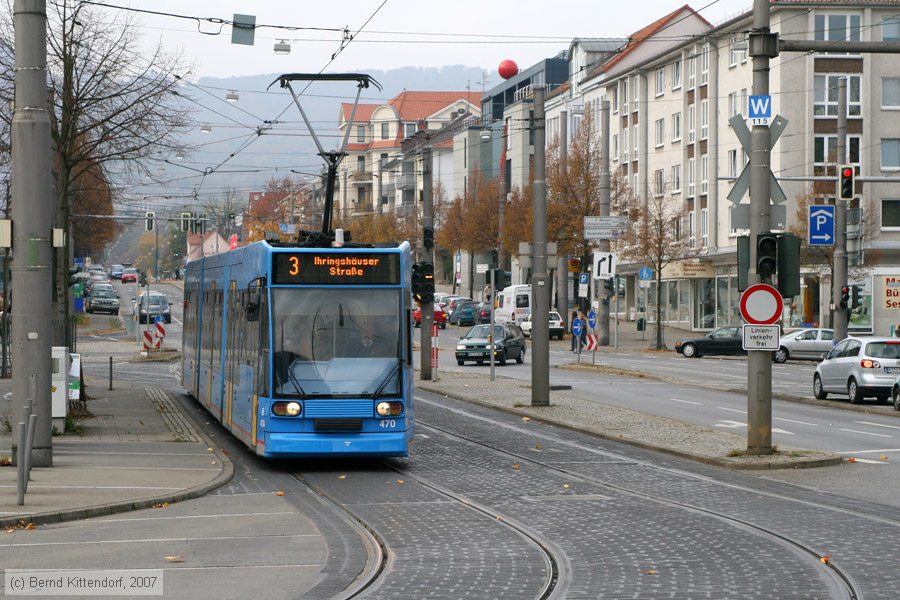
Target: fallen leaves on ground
point(279, 493)
point(851, 460)
point(882, 457)
point(161, 505)
point(5, 461)
point(342, 477)
point(538, 446)
point(526, 419)
point(400, 482)
point(825, 559)
point(516, 467)
point(651, 572)
point(175, 558)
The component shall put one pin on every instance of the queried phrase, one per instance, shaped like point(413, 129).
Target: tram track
point(843, 584)
point(553, 585)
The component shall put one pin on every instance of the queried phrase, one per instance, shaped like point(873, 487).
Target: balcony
point(361, 176)
point(406, 181)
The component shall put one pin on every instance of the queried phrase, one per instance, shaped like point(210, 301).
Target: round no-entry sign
point(761, 304)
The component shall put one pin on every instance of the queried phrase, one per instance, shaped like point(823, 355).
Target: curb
point(103, 510)
point(827, 459)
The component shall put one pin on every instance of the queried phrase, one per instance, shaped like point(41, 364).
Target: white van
point(513, 304)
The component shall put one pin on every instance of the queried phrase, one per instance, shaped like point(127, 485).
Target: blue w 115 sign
point(821, 225)
point(760, 110)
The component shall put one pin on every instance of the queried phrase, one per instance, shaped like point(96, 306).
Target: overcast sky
point(401, 33)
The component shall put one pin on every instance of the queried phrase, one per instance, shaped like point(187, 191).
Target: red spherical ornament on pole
point(508, 68)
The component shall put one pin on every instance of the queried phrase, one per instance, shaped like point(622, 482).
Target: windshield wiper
point(296, 383)
point(387, 379)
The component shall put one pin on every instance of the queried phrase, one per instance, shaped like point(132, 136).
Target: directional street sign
point(605, 228)
point(591, 342)
point(821, 225)
point(604, 265)
point(645, 273)
point(592, 319)
point(577, 328)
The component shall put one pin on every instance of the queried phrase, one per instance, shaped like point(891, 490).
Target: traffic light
point(845, 296)
point(846, 189)
point(609, 286)
point(788, 273)
point(142, 279)
point(150, 218)
point(185, 221)
point(428, 238)
point(855, 301)
point(423, 282)
point(766, 254)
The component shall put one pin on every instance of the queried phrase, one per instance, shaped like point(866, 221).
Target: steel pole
point(540, 288)
point(759, 362)
point(841, 313)
point(605, 185)
point(427, 256)
point(32, 205)
point(562, 265)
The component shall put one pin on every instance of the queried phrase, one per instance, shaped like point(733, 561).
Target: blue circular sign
point(592, 319)
point(645, 273)
point(577, 327)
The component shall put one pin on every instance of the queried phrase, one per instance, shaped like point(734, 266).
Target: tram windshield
point(336, 342)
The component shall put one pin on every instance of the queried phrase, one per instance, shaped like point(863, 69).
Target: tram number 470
point(388, 424)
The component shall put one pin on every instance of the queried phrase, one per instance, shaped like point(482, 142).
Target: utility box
point(60, 364)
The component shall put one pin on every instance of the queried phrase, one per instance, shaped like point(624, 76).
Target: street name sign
point(605, 228)
point(761, 337)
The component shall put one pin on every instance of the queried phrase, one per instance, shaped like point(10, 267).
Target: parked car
point(129, 275)
point(464, 314)
point(859, 368)
point(101, 300)
point(806, 343)
point(484, 312)
point(508, 343)
point(557, 329)
point(724, 340)
point(440, 317)
point(151, 306)
point(453, 302)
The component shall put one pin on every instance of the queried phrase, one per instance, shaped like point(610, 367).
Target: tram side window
point(264, 343)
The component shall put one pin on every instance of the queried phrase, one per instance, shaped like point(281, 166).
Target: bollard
point(20, 465)
point(110, 372)
point(29, 443)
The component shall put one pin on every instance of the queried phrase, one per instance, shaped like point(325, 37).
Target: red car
point(440, 317)
point(129, 275)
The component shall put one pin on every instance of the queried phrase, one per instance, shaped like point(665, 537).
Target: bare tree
point(655, 240)
point(114, 106)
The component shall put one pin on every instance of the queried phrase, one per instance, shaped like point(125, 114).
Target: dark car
point(102, 301)
point(152, 307)
point(724, 340)
point(464, 314)
point(484, 312)
point(508, 343)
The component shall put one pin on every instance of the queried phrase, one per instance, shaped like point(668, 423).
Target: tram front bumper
point(294, 445)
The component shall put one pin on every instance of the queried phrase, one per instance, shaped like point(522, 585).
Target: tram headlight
point(286, 409)
point(389, 409)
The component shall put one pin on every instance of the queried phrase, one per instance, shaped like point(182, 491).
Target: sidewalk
point(135, 450)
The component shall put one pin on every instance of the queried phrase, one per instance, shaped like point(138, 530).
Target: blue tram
point(303, 351)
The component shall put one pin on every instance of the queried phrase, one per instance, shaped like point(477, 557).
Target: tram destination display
point(330, 268)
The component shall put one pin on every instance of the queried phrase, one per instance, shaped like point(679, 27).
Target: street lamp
point(282, 47)
point(205, 128)
point(485, 134)
point(231, 96)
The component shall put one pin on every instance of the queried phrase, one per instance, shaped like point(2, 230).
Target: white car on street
point(557, 329)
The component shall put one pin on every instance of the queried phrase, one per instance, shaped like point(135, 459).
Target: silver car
point(806, 343)
point(859, 368)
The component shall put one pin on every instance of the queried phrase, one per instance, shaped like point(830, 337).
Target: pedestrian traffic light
point(185, 221)
point(150, 218)
point(846, 189)
point(428, 238)
point(845, 296)
point(142, 279)
point(766, 254)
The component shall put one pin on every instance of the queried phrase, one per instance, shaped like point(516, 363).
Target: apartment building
point(672, 90)
point(370, 177)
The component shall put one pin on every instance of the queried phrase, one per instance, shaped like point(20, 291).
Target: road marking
point(881, 451)
point(686, 401)
point(736, 424)
point(743, 412)
point(866, 433)
point(877, 424)
point(870, 461)
point(253, 514)
point(157, 540)
point(793, 421)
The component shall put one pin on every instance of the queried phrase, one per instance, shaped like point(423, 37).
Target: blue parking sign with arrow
point(821, 225)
